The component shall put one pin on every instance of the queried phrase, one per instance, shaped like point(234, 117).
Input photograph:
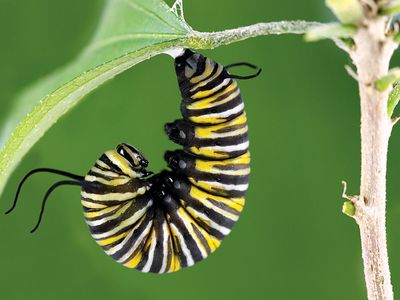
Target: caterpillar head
point(133, 156)
point(180, 132)
point(187, 67)
point(186, 64)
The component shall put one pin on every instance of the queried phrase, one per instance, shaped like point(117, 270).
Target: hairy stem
point(372, 56)
point(210, 40)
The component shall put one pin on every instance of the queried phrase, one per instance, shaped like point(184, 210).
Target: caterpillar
point(164, 222)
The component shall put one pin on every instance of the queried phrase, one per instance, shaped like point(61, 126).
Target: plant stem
point(210, 40)
point(372, 56)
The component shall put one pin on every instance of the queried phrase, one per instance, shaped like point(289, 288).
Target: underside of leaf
point(129, 32)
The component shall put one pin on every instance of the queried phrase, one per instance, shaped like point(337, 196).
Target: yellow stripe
point(129, 231)
point(209, 67)
point(92, 205)
point(202, 94)
point(212, 166)
point(177, 264)
point(105, 173)
point(133, 263)
point(215, 208)
point(189, 219)
point(112, 239)
point(205, 82)
point(208, 120)
point(114, 196)
point(121, 162)
point(202, 196)
point(208, 152)
point(209, 102)
point(113, 182)
point(97, 213)
point(211, 131)
point(207, 236)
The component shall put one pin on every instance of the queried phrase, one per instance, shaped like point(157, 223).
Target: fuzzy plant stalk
point(365, 30)
point(371, 49)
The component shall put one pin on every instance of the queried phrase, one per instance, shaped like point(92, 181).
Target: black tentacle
point(40, 170)
point(246, 64)
point(49, 191)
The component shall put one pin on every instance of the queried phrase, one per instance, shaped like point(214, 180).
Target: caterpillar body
point(164, 222)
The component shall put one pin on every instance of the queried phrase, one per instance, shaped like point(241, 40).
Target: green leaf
point(130, 31)
point(329, 31)
point(386, 81)
point(349, 208)
point(394, 98)
point(347, 11)
point(392, 8)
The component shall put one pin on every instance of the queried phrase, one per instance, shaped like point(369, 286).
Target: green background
point(292, 242)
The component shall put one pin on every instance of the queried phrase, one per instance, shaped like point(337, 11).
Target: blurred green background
point(292, 242)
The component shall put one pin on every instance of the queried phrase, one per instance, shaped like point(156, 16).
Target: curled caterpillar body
point(164, 222)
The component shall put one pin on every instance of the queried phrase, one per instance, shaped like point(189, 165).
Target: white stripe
point(118, 181)
point(218, 87)
point(214, 104)
point(101, 212)
point(132, 220)
point(105, 173)
point(224, 114)
point(228, 187)
point(231, 148)
point(165, 248)
point(137, 243)
point(117, 248)
point(114, 196)
point(92, 205)
point(150, 257)
point(185, 249)
point(103, 164)
point(239, 172)
point(219, 210)
point(211, 223)
point(190, 229)
point(115, 158)
point(109, 218)
point(205, 82)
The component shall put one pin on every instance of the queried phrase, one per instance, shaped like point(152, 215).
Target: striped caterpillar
point(163, 222)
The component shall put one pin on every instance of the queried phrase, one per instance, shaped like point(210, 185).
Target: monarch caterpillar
point(164, 222)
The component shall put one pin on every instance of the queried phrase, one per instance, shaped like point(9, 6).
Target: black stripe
point(95, 174)
point(116, 207)
point(222, 91)
point(187, 237)
point(188, 201)
point(218, 119)
point(223, 141)
point(104, 158)
point(185, 87)
point(159, 220)
point(137, 205)
point(201, 238)
point(186, 113)
point(101, 189)
point(230, 128)
point(137, 231)
point(211, 85)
